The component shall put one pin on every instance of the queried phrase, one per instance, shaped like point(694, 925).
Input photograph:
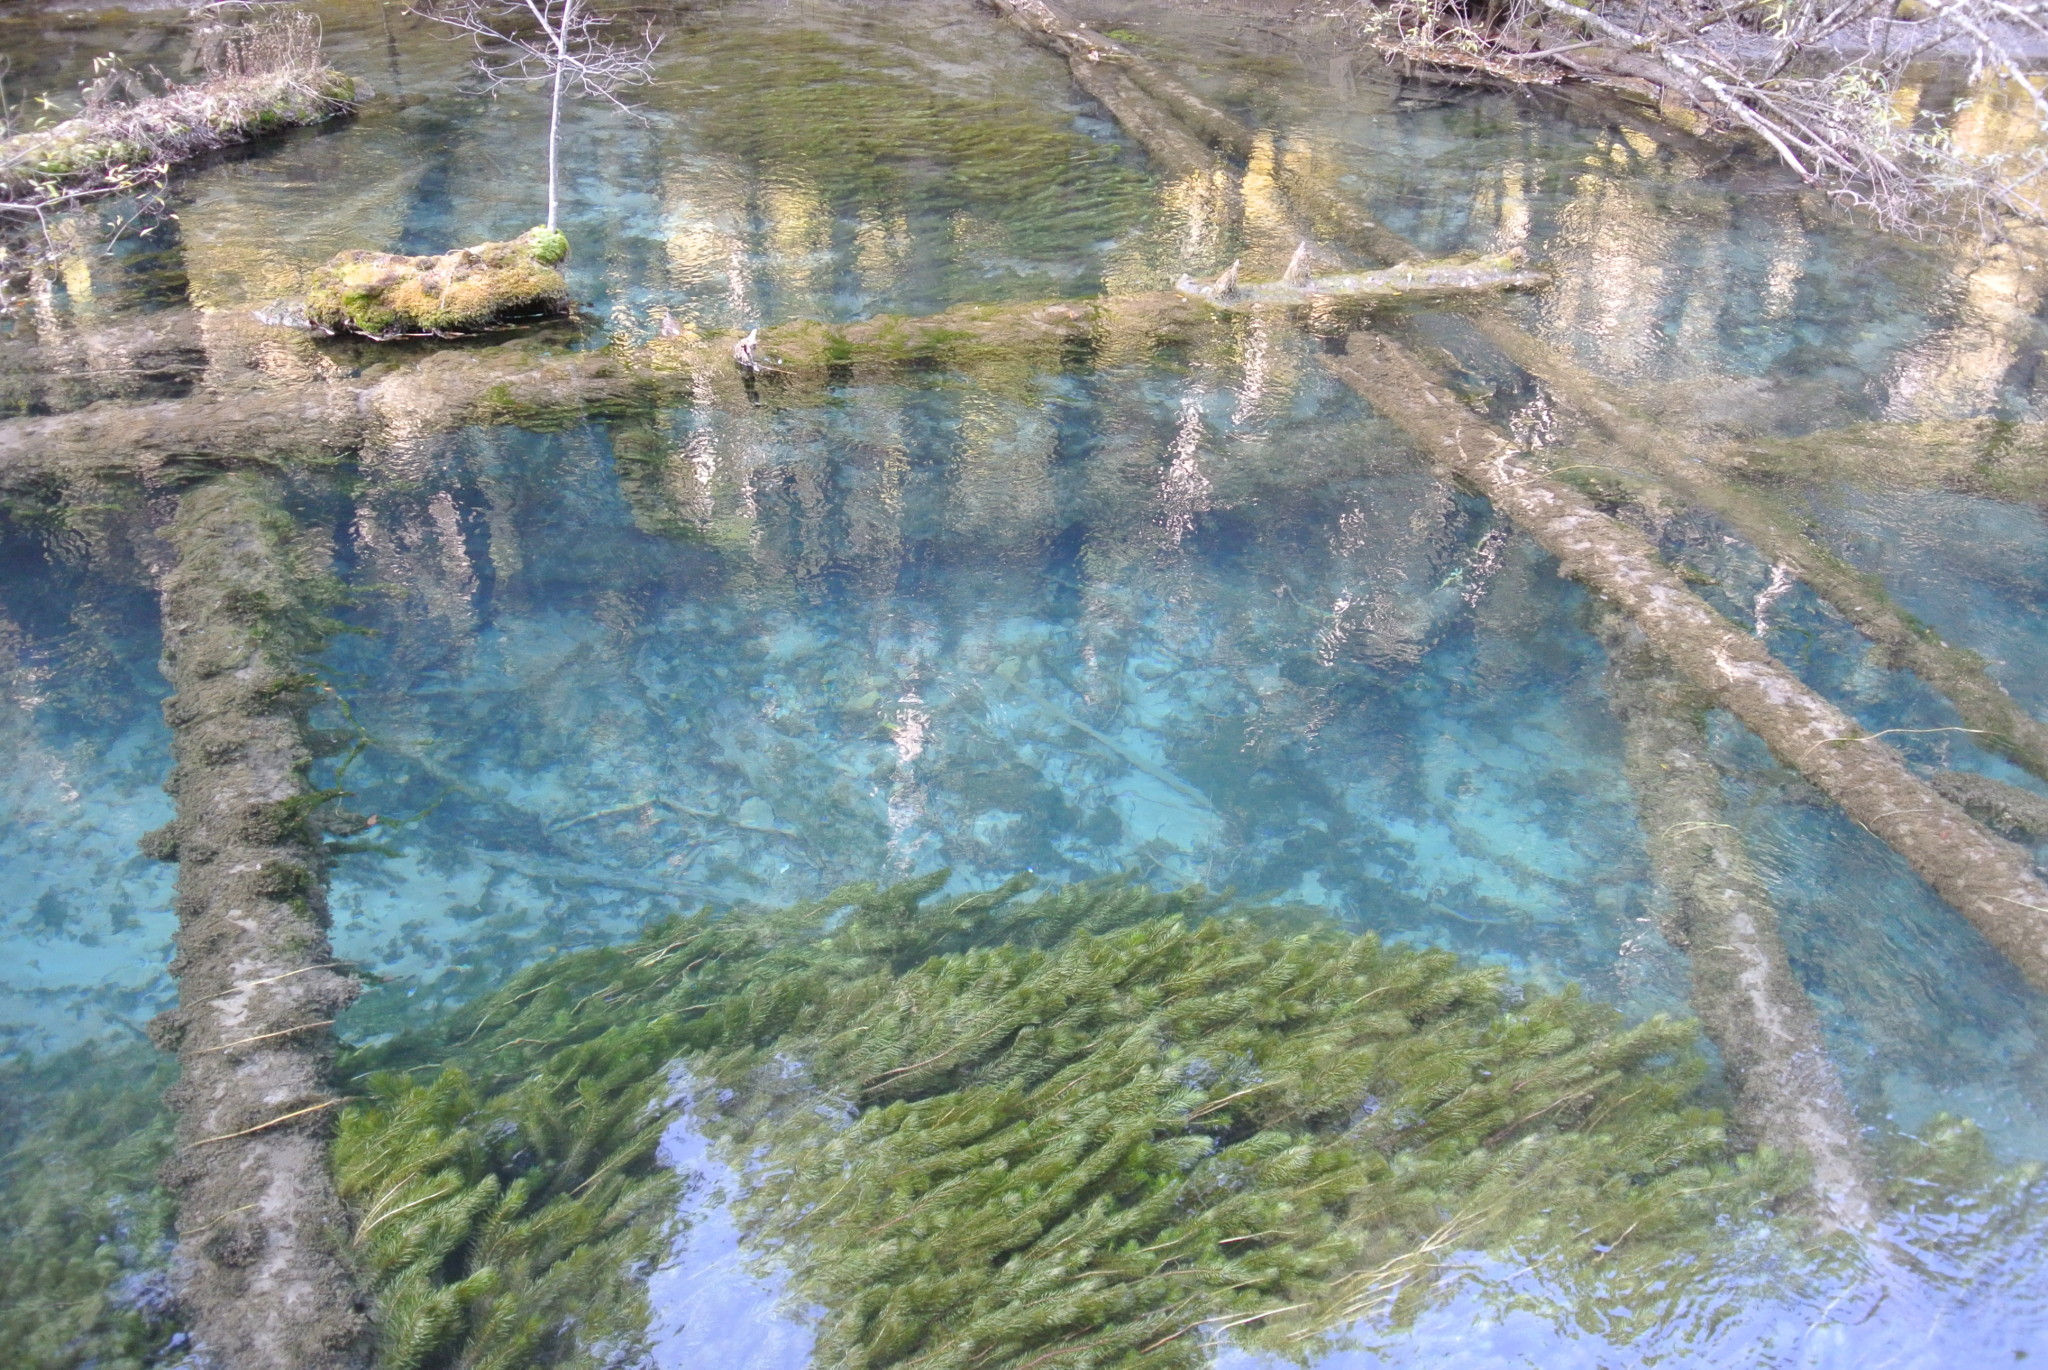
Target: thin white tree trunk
point(555, 108)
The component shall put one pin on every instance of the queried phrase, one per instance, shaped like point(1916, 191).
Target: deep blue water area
point(1193, 612)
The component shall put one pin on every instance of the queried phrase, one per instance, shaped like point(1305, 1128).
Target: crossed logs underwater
point(254, 1027)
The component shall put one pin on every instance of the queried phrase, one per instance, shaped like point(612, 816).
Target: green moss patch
point(469, 290)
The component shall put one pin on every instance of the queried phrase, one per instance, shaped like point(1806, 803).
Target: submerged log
point(2020, 814)
point(1411, 280)
point(1104, 69)
point(1787, 1095)
point(531, 383)
point(262, 1257)
point(1989, 457)
point(1987, 879)
point(1996, 718)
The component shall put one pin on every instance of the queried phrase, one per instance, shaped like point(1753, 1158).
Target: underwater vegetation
point(85, 1230)
point(1105, 1123)
point(829, 117)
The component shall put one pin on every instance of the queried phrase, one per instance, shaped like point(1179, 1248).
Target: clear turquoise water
point(1198, 614)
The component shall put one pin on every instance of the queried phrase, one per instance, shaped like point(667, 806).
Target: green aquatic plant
point(1113, 1151)
point(498, 1199)
point(845, 122)
point(85, 1228)
point(1105, 1124)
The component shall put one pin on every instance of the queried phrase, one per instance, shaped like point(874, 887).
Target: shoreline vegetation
point(262, 76)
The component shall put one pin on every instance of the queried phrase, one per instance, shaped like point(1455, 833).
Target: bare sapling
point(564, 45)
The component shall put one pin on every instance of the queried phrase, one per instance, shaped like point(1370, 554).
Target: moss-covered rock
point(386, 295)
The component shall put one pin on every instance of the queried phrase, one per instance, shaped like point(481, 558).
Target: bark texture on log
point(1787, 1095)
point(2000, 723)
point(1990, 881)
point(262, 1258)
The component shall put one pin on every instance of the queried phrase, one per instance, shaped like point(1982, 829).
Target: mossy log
point(2020, 814)
point(1448, 277)
point(118, 145)
point(1787, 1095)
point(265, 1277)
point(1177, 128)
point(1988, 880)
point(534, 383)
point(384, 295)
point(1998, 721)
point(1102, 68)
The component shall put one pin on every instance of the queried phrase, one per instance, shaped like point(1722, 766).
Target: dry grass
point(262, 75)
point(1831, 87)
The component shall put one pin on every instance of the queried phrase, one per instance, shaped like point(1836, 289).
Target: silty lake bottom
point(1188, 611)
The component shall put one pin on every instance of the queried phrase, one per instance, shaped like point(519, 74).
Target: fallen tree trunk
point(262, 1258)
point(1998, 721)
point(1988, 457)
point(1988, 880)
point(534, 385)
point(1959, 675)
point(1787, 1095)
point(123, 147)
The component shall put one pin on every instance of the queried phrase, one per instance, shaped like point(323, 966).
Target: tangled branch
point(1830, 86)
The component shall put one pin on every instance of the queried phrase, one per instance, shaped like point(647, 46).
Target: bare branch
point(1823, 83)
point(562, 44)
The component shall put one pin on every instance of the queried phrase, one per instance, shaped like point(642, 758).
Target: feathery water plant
point(1113, 1151)
point(1102, 1126)
point(1105, 1124)
point(84, 1226)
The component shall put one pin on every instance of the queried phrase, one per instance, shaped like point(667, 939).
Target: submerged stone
point(469, 290)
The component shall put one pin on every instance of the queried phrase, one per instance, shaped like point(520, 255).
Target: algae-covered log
point(1992, 457)
point(1998, 720)
point(1411, 280)
point(2020, 814)
point(1988, 880)
point(267, 76)
point(384, 295)
point(265, 1274)
point(1787, 1094)
point(535, 383)
point(1173, 150)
